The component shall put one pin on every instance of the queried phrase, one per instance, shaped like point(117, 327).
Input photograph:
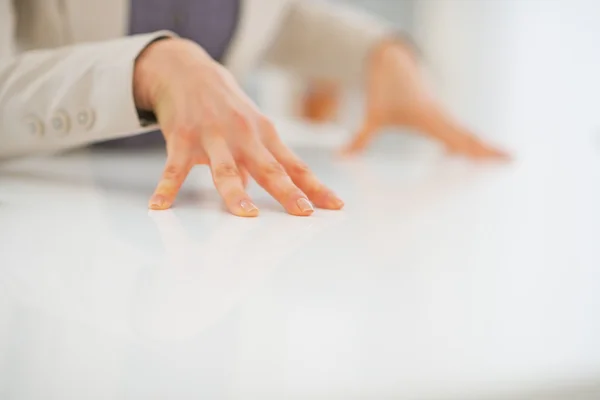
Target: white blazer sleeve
point(320, 39)
point(56, 99)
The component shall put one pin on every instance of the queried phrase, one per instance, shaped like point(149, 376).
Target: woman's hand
point(397, 96)
point(207, 119)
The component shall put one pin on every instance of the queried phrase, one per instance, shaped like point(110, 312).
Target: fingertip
point(159, 202)
point(505, 156)
point(328, 201)
point(496, 154)
point(302, 208)
point(246, 208)
point(360, 140)
point(336, 203)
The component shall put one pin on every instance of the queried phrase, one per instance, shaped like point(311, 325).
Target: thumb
point(362, 138)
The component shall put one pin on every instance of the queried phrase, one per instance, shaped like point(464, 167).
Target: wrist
point(146, 76)
point(158, 66)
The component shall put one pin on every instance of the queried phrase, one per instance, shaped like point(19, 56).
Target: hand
point(207, 119)
point(397, 96)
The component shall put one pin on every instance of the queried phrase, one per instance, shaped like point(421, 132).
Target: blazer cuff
point(117, 114)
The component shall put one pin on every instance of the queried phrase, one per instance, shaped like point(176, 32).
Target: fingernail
point(304, 205)
point(158, 203)
point(248, 206)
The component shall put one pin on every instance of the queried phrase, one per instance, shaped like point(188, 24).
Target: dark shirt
point(210, 23)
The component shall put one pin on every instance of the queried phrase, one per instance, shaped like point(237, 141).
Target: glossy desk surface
point(441, 279)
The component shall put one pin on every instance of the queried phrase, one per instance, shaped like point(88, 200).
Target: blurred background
point(523, 73)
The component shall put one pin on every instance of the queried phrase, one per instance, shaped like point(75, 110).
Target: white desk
point(440, 280)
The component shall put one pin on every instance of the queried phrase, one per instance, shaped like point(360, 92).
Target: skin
point(207, 119)
point(396, 96)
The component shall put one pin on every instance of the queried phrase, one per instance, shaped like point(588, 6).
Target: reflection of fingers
point(362, 139)
point(271, 175)
point(227, 178)
point(301, 175)
point(177, 168)
point(171, 231)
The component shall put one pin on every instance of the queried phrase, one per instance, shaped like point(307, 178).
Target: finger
point(467, 144)
point(227, 177)
point(362, 139)
point(482, 151)
point(176, 169)
point(438, 125)
point(457, 139)
point(301, 175)
point(271, 175)
point(479, 149)
point(497, 154)
point(459, 145)
point(245, 176)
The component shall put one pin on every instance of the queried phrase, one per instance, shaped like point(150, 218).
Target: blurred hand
point(396, 96)
point(207, 119)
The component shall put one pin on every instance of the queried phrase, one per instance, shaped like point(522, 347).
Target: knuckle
point(265, 123)
point(225, 171)
point(211, 133)
point(211, 119)
point(232, 193)
point(299, 168)
point(187, 131)
point(174, 173)
point(241, 122)
point(267, 127)
point(274, 169)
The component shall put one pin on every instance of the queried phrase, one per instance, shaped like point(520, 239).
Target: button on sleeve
point(34, 126)
point(60, 123)
point(85, 119)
